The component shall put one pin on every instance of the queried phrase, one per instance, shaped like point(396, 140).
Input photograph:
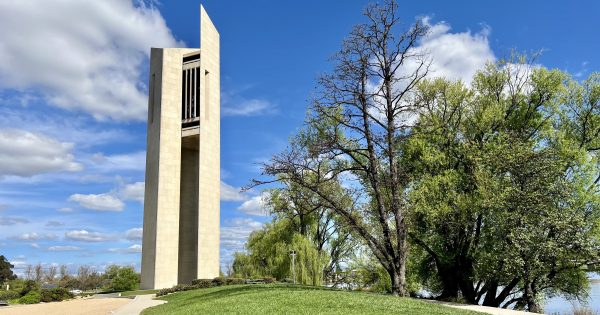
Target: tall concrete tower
point(181, 204)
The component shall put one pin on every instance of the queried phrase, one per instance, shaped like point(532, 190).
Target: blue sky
point(73, 100)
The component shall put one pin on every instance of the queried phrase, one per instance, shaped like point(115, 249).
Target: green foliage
point(203, 283)
point(269, 255)
point(120, 278)
point(218, 281)
point(6, 272)
point(9, 295)
point(234, 281)
point(28, 286)
point(32, 297)
point(504, 190)
point(55, 295)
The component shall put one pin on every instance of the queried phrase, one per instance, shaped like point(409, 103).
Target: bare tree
point(38, 273)
point(29, 272)
point(63, 272)
point(358, 124)
point(50, 275)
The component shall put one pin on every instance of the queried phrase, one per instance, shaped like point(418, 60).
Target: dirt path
point(72, 307)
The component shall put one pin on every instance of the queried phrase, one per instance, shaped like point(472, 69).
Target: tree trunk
point(397, 272)
point(530, 300)
point(449, 279)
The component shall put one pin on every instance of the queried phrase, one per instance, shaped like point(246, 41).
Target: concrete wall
point(210, 150)
point(188, 217)
point(182, 197)
point(163, 169)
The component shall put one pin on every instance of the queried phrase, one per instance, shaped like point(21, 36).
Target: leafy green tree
point(6, 272)
point(269, 255)
point(310, 217)
point(120, 278)
point(505, 200)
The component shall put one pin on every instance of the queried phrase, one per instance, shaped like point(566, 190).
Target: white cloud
point(12, 220)
point(251, 107)
point(23, 153)
point(133, 191)
point(135, 161)
point(134, 234)
point(65, 210)
point(456, 55)
point(234, 235)
point(100, 202)
point(90, 61)
point(230, 193)
point(87, 236)
point(133, 249)
point(254, 206)
point(33, 236)
point(66, 248)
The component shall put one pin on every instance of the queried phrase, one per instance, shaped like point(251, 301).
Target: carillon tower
point(181, 200)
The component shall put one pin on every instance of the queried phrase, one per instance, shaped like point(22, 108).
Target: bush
point(269, 279)
point(29, 285)
point(32, 297)
point(125, 279)
point(9, 295)
point(218, 281)
point(206, 283)
point(203, 283)
point(233, 281)
point(55, 295)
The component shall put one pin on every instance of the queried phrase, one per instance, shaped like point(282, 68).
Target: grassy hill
point(287, 299)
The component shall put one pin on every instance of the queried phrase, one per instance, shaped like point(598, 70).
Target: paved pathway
point(137, 305)
point(484, 309)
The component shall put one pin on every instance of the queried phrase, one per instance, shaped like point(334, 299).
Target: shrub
point(232, 281)
point(269, 279)
point(218, 281)
point(32, 297)
point(55, 295)
point(9, 295)
point(28, 286)
point(123, 278)
point(203, 283)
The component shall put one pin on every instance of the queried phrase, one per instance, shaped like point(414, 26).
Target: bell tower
point(182, 193)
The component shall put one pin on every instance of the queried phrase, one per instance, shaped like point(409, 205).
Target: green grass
point(138, 292)
point(288, 299)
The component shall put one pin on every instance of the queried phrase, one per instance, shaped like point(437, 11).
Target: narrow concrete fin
point(207, 28)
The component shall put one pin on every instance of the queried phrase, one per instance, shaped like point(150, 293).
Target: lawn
point(288, 299)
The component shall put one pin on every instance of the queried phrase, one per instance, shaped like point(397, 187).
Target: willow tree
point(311, 218)
point(357, 125)
point(268, 255)
point(505, 204)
